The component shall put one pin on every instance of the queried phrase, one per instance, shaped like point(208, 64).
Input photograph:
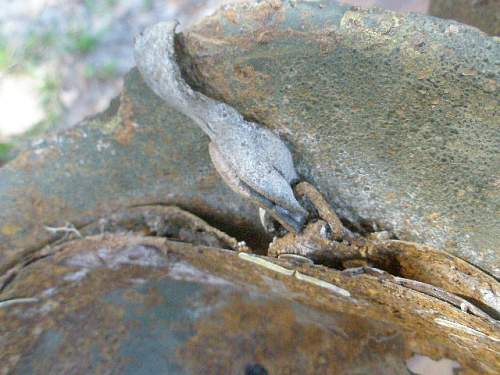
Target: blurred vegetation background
point(61, 61)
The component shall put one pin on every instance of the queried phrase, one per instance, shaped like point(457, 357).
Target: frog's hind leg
point(228, 174)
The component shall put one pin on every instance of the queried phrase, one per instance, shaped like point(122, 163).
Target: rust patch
point(231, 15)
point(247, 74)
point(208, 182)
point(125, 133)
point(32, 160)
point(264, 36)
point(266, 330)
point(272, 332)
point(153, 299)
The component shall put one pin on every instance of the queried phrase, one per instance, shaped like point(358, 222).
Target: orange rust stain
point(275, 4)
point(424, 74)
point(264, 36)
point(125, 134)
point(490, 85)
point(154, 298)
point(247, 74)
point(34, 210)
point(23, 161)
point(434, 216)
point(391, 196)
point(231, 15)
point(270, 333)
point(32, 160)
point(256, 84)
point(209, 182)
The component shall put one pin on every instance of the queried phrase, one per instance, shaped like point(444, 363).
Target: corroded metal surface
point(326, 241)
point(484, 14)
point(134, 304)
point(163, 221)
point(126, 304)
point(252, 160)
point(139, 152)
point(392, 116)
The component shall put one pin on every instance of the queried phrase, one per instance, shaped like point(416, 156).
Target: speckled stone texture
point(394, 117)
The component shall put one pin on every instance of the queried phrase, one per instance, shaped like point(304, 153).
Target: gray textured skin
point(251, 159)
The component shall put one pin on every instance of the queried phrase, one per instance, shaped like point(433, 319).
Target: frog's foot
point(293, 221)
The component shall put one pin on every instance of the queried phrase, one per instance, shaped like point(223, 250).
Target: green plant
point(37, 130)
point(5, 149)
point(108, 70)
point(49, 91)
point(112, 3)
point(5, 55)
point(38, 46)
point(49, 96)
point(148, 4)
point(82, 41)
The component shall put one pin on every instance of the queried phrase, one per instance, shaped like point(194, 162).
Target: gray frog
point(251, 159)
